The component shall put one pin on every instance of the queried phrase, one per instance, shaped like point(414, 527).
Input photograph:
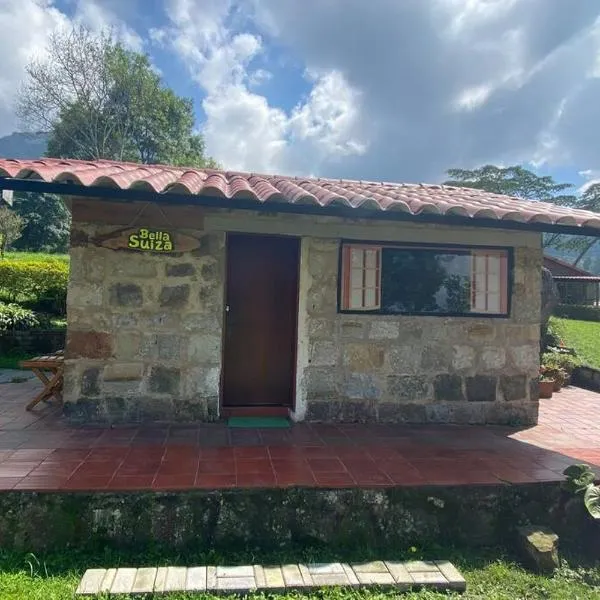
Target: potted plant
point(546, 384)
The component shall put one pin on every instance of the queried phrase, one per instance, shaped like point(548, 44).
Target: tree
point(46, 222)
point(11, 225)
point(99, 100)
point(522, 183)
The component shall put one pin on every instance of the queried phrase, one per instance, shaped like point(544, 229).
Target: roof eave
point(128, 195)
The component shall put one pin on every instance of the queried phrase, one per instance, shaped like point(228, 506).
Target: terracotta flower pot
point(557, 385)
point(546, 388)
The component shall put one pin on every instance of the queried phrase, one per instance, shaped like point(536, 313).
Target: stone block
point(84, 295)
point(274, 578)
point(209, 271)
point(196, 579)
point(361, 386)
point(467, 413)
point(431, 579)
point(384, 330)
point(123, 582)
point(205, 322)
point(375, 578)
point(437, 413)
point(236, 584)
point(352, 329)
point(481, 332)
point(320, 411)
point(525, 358)
point(320, 382)
point(540, 545)
point(144, 581)
point(534, 390)
point(202, 381)
point(90, 382)
point(306, 576)
point(292, 576)
point(493, 358)
point(513, 387)
point(122, 371)
point(160, 580)
point(409, 388)
point(391, 412)
point(435, 359)
point(125, 321)
point(88, 344)
point(204, 349)
point(174, 296)
point(84, 411)
point(363, 358)
point(320, 329)
point(126, 294)
point(164, 380)
point(127, 345)
point(376, 566)
point(358, 411)
point(136, 268)
point(245, 571)
point(400, 574)
point(455, 580)
point(463, 358)
point(108, 580)
point(481, 388)
point(323, 353)
point(90, 582)
point(169, 346)
point(404, 360)
point(448, 388)
point(180, 270)
point(175, 580)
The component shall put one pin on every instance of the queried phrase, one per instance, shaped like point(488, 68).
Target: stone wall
point(144, 332)
point(419, 369)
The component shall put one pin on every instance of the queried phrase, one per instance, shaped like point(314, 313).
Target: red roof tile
point(414, 199)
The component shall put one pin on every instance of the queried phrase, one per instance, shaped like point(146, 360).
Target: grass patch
point(490, 574)
point(36, 256)
point(583, 336)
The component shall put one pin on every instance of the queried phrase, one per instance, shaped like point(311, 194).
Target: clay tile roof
point(413, 199)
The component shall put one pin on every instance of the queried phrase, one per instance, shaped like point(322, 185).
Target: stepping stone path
point(402, 576)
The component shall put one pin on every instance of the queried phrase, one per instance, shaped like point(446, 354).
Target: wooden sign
point(145, 239)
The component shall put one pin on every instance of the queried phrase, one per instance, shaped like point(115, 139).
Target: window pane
point(425, 280)
point(371, 259)
point(356, 278)
point(370, 278)
point(494, 303)
point(356, 299)
point(370, 298)
point(357, 255)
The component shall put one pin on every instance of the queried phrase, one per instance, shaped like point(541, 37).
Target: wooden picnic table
point(49, 370)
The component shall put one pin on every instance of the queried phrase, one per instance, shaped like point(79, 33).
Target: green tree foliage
point(11, 225)
point(521, 183)
point(99, 100)
point(46, 222)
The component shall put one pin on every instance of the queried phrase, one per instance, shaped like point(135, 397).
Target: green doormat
point(258, 422)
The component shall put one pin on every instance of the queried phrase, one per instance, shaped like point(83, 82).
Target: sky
point(380, 90)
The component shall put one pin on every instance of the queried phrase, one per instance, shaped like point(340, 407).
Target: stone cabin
point(197, 294)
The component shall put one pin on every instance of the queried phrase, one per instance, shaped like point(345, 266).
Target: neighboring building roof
point(377, 197)
point(589, 278)
point(559, 267)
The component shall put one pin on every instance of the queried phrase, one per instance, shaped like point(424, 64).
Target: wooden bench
point(49, 370)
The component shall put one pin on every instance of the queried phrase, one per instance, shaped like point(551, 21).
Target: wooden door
point(260, 321)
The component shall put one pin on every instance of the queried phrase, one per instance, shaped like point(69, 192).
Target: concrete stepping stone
point(402, 576)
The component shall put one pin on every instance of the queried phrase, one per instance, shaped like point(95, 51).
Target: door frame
point(263, 411)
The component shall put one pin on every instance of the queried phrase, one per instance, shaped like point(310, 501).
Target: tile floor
point(39, 451)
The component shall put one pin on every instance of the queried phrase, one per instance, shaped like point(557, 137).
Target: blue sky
point(378, 90)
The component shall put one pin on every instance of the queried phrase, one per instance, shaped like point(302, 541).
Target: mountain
point(23, 145)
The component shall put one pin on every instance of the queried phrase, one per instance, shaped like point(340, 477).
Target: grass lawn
point(584, 336)
point(36, 256)
point(489, 576)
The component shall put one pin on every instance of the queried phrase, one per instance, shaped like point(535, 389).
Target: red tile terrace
point(39, 451)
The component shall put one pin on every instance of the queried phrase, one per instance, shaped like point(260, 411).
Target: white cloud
point(26, 26)
point(242, 130)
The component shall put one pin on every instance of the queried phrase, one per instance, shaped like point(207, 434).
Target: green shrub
point(578, 312)
point(13, 316)
point(38, 284)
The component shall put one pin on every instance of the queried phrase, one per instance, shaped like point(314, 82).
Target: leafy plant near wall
point(15, 317)
point(580, 481)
